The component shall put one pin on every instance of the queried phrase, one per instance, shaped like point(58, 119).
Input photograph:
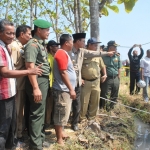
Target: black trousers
point(7, 123)
point(76, 106)
point(134, 78)
point(109, 89)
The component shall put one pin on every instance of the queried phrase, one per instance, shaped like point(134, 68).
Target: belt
point(90, 79)
point(112, 77)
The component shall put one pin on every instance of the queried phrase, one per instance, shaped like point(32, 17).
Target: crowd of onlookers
point(55, 81)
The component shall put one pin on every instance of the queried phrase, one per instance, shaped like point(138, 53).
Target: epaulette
point(35, 40)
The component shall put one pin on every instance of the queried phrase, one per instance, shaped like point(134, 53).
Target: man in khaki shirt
point(90, 90)
point(77, 55)
point(23, 35)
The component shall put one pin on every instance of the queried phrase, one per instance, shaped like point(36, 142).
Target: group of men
point(58, 79)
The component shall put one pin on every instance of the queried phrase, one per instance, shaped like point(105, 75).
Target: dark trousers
point(76, 106)
point(134, 78)
point(109, 88)
point(7, 123)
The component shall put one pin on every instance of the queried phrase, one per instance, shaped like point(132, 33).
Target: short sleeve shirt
point(7, 85)
point(36, 53)
point(112, 65)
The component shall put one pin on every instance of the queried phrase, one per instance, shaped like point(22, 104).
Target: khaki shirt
point(81, 53)
point(91, 68)
point(36, 53)
point(19, 62)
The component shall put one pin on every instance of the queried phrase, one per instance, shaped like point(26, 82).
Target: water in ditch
point(142, 141)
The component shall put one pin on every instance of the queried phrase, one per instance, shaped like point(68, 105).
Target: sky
point(127, 29)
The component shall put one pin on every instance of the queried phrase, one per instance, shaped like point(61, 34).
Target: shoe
point(146, 100)
point(75, 127)
point(48, 132)
point(46, 144)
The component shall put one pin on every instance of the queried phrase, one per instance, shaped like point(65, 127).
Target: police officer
point(77, 55)
point(23, 35)
point(112, 82)
point(37, 86)
point(90, 90)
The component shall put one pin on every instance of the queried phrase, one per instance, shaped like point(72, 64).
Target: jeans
point(145, 93)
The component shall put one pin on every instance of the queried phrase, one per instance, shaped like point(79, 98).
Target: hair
point(75, 40)
point(35, 28)
point(3, 23)
point(21, 28)
point(148, 50)
point(64, 38)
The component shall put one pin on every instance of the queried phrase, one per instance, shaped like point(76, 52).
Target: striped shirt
point(7, 85)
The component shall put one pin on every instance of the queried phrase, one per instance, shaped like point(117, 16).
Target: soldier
point(52, 48)
point(90, 90)
point(112, 82)
point(37, 86)
point(77, 54)
point(23, 35)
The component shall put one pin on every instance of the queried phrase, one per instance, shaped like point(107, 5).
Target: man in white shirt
point(145, 74)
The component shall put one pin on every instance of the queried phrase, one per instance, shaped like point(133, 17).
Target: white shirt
point(145, 64)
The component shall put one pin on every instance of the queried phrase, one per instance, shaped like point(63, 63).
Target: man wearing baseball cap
point(37, 86)
point(112, 82)
point(52, 48)
point(90, 90)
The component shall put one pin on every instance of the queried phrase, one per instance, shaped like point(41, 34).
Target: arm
point(89, 54)
point(142, 73)
point(66, 80)
point(36, 91)
point(103, 78)
point(142, 52)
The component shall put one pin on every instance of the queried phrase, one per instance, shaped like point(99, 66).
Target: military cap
point(92, 41)
point(112, 43)
point(79, 36)
point(52, 43)
point(42, 23)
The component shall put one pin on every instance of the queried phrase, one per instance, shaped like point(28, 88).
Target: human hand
point(112, 53)
point(73, 94)
point(83, 82)
point(36, 71)
point(37, 95)
point(103, 78)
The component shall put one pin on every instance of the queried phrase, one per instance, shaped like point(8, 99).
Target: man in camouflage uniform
point(23, 35)
point(37, 86)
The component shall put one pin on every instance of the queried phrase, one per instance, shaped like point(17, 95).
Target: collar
point(39, 39)
point(74, 50)
point(2, 43)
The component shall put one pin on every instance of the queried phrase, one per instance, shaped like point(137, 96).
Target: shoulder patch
point(34, 45)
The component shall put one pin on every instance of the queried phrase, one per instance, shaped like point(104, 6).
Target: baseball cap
point(53, 43)
point(92, 41)
point(112, 43)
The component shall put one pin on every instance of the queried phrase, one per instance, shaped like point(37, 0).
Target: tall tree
point(94, 18)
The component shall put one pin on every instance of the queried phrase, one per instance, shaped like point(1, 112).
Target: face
point(81, 43)
point(93, 47)
point(135, 53)
point(26, 36)
point(69, 44)
point(8, 34)
point(54, 48)
point(44, 33)
point(112, 48)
